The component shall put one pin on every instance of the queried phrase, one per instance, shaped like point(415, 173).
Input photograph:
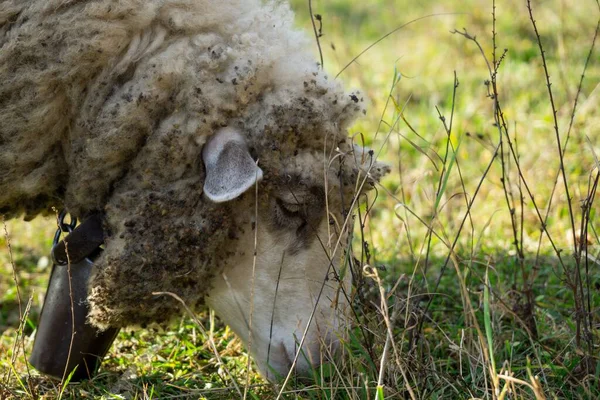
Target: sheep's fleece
point(105, 107)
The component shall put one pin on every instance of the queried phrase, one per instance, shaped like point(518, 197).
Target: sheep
point(212, 143)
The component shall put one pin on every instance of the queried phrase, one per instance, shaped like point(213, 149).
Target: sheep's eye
point(292, 210)
point(288, 213)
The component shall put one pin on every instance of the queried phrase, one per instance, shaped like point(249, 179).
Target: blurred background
point(420, 60)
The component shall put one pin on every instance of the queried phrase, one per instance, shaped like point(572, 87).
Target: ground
point(488, 268)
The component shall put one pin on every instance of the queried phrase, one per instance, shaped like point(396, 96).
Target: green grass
point(451, 315)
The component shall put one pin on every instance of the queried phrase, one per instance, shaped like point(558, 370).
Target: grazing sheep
point(164, 115)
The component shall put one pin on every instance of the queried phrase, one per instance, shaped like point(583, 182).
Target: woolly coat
point(105, 106)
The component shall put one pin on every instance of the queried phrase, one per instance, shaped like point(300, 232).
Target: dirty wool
point(105, 107)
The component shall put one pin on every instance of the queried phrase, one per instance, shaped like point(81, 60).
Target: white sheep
point(164, 115)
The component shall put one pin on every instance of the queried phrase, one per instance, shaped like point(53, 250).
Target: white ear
point(230, 170)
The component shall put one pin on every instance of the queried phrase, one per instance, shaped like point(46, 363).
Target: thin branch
point(252, 285)
point(501, 124)
point(317, 34)
point(557, 133)
point(571, 122)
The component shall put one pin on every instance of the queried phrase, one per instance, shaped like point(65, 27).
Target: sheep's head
point(286, 268)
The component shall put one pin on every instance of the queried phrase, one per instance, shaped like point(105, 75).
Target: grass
point(485, 273)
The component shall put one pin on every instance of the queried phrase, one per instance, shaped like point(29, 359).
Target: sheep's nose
point(314, 353)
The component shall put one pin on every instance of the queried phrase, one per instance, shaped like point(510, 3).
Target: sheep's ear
point(364, 158)
point(230, 170)
point(360, 160)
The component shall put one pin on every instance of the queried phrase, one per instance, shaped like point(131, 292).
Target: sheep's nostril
point(278, 361)
point(314, 352)
point(288, 357)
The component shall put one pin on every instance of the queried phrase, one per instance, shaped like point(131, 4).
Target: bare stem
point(556, 131)
point(317, 34)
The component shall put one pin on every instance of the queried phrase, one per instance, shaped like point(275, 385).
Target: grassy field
point(485, 237)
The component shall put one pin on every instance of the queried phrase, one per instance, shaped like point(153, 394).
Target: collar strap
point(82, 242)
